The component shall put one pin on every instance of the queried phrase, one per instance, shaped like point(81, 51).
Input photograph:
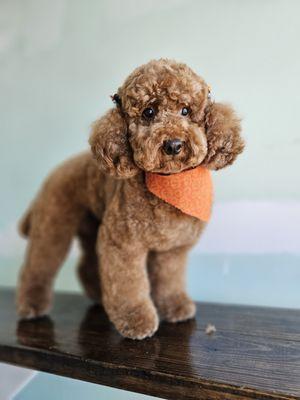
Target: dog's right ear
point(110, 145)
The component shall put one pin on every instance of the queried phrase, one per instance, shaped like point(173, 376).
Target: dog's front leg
point(125, 287)
point(167, 276)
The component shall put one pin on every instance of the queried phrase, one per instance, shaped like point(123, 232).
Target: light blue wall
point(65, 389)
point(61, 59)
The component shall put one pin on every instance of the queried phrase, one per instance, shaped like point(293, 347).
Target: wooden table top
point(255, 352)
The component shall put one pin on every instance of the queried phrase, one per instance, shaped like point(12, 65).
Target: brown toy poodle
point(134, 245)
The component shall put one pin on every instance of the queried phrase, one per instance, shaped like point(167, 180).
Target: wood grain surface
point(254, 354)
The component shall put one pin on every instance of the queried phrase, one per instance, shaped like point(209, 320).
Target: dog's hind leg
point(88, 267)
point(54, 221)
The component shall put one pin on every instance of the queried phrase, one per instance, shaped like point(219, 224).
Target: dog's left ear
point(224, 140)
point(110, 146)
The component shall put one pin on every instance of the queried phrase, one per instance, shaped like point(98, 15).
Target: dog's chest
point(170, 227)
point(162, 226)
point(150, 220)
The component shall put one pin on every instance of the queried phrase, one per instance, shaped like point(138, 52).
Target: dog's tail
point(25, 222)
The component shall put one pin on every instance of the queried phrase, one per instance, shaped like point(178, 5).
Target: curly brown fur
point(134, 245)
point(223, 136)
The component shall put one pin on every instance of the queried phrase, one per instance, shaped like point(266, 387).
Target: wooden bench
point(254, 354)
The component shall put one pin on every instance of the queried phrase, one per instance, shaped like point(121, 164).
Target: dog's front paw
point(33, 303)
point(137, 322)
point(177, 308)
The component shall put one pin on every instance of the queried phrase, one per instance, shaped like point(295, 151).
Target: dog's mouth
point(170, 156)
point(159, 172)
point(171, 164)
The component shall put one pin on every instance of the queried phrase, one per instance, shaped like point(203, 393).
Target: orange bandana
point(190, 191)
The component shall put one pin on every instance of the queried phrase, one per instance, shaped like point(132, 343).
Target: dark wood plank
point(255, 352)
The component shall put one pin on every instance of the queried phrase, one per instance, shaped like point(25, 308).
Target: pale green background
point(60, 60)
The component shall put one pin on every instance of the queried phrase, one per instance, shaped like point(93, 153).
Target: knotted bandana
point(190, 191)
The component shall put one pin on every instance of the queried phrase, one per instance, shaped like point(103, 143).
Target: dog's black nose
point(172, 147)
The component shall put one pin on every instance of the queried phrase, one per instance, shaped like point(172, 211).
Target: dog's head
point(165, 122)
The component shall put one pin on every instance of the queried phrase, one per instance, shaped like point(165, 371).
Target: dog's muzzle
point(172, 147)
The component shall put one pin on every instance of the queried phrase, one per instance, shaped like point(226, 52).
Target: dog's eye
point(185, 111)
point(149, 113)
